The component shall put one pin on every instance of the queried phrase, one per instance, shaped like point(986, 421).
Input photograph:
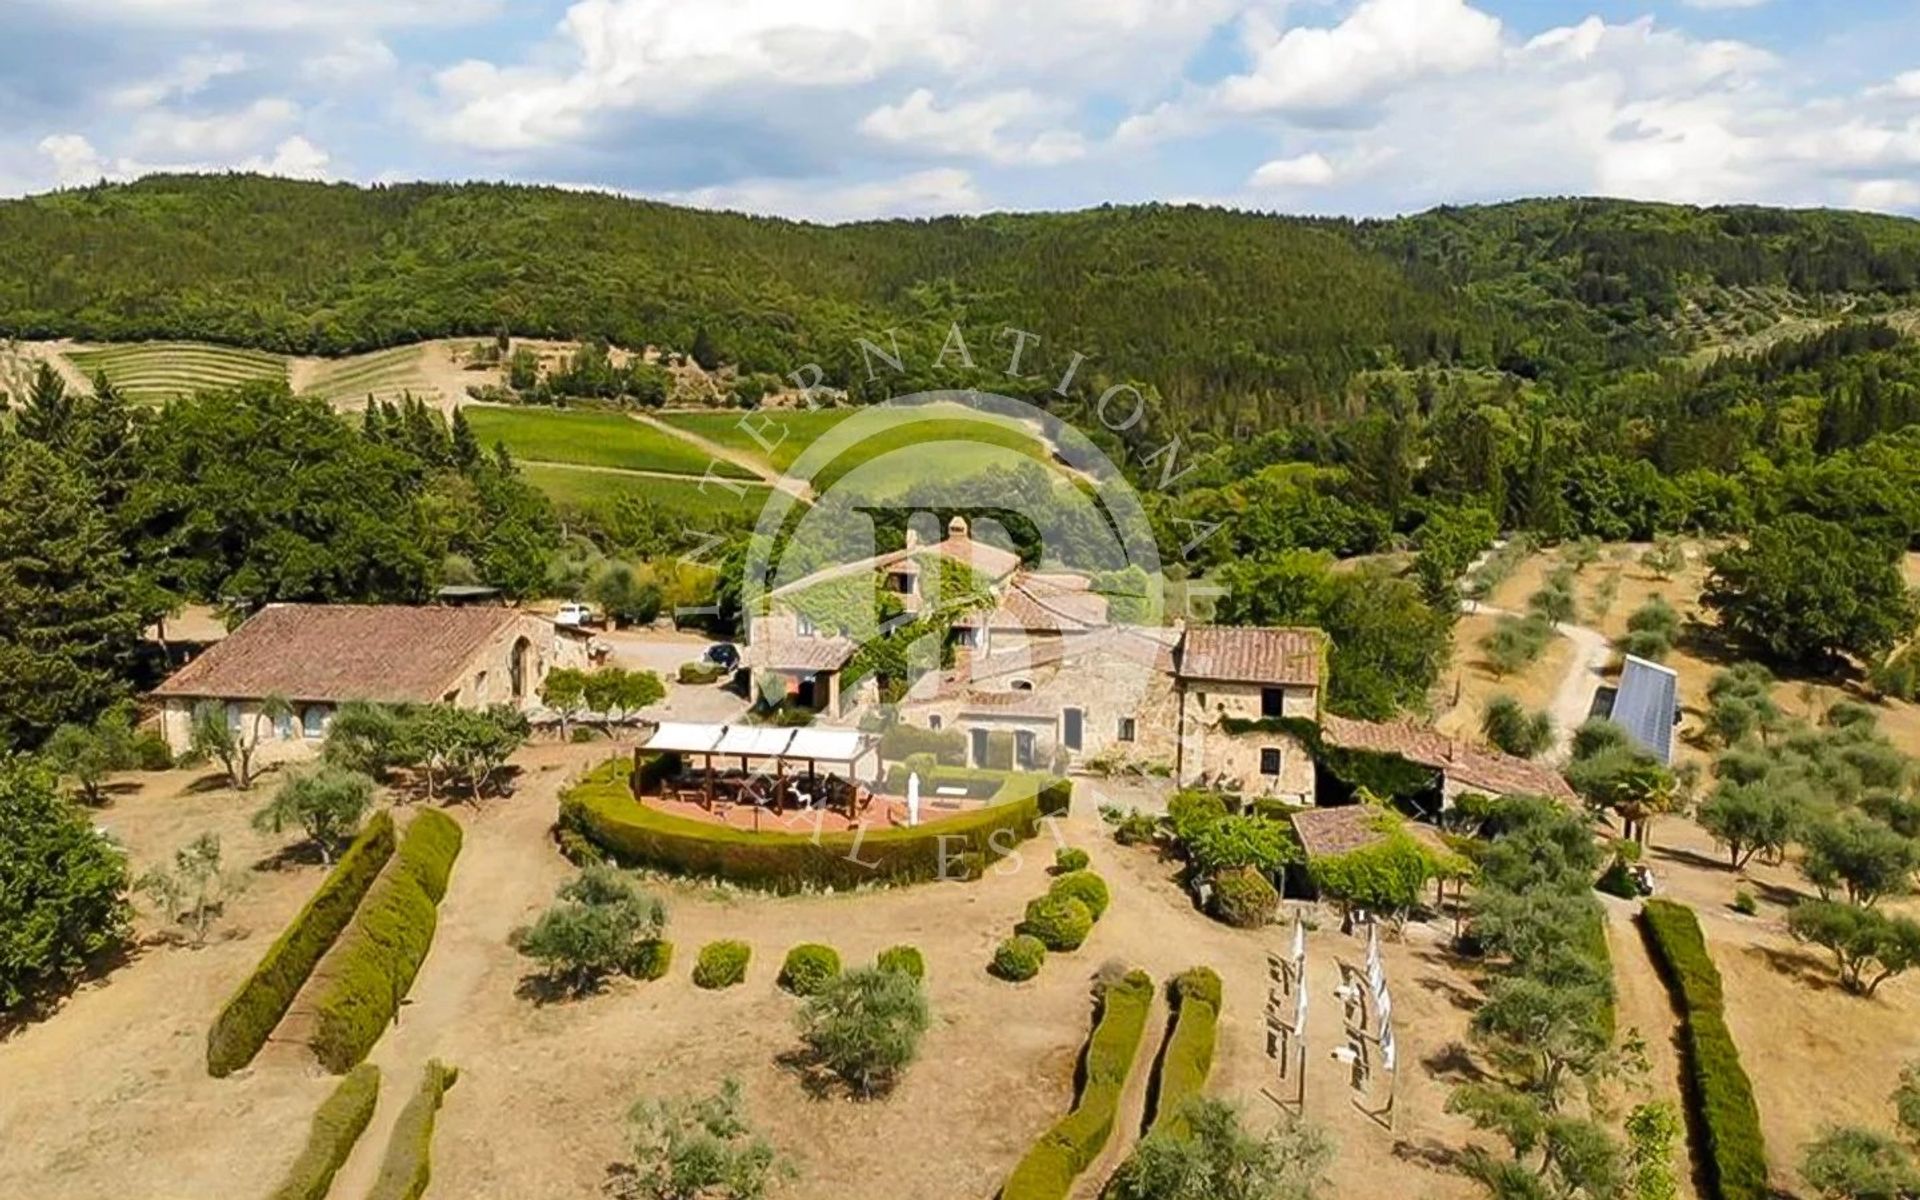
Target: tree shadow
point(1693, 858)
point(1453, 1063)
point(821, 1083)
point(212, 781)
point(1800, 965)
point(291, 857)
point(50, 996)
point(543, 989)
point(1428, 1152)
point(1465, 999)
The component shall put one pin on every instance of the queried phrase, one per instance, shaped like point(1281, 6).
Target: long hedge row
point(341, 1118)
point(602, 809)
point(1075, 1140)
point(1718, 1090)
point(408, 1165)
point(382, 950)
point(252, 1012)
point(1187, 1058)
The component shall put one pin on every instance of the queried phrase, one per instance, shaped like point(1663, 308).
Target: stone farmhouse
point(319, 656)
point(1040, 677)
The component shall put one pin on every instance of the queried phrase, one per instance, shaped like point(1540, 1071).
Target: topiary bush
point(338, 1124)
point(652, 960)
point(408, 1165)
point(382, 950)
point(1019, 958)
point(1068, 859)
point(1060, 922)
point(1244, 899)
point(1718, 1089)
point(251, 1014)
point(904, 959)
point(1086, 887)
point(1048, 1169)
point(1187, 1058)
point(808, 968)
point(721, 965)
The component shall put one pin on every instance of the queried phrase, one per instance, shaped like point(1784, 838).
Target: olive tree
point(865, 1026)
point(326, 803)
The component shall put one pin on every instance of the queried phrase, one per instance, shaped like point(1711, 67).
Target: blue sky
point(845, 109)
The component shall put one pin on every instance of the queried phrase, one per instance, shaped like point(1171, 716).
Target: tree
point(1849, 1163)
point(327, 803)
point(1249, 840)
point(194, 890)
point(222, 733)
point(365, 738)
point(1554, 602)
point(1640, 790)
point(1740, 703)
point(1216, 1158)
point(69, 624)
point(1860, 856)
point(65, 897)
point(616, 693)
point(565, 692)
point(1651, 630)
point(1514, 730)
point(1747, 819)
point(1654, 1129)
point(1515, 642)
point(1868, 946)
point(467, 745)
point(624, 596)
point(1665, 559)
point(86, 754)
point(698, 1149)
point(1803, 590)
point(865, 1026)
point(1543, 1032)
point(602, 923)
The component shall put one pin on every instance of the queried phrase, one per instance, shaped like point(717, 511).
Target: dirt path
point(1641, 1003)
point(1131, 1116)
point(800, 489)
point(1573, 699)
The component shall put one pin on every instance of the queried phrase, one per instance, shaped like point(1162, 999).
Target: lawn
point(570, 487)
point(160, 370)
point(594, 439)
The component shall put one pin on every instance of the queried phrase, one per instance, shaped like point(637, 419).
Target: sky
point(841, 110)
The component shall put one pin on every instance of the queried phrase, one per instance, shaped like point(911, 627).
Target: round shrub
point(809, 967)
point(904, 959)
point(1086, 887)
point(1244, 899)
point(1060, 922)
point(1198, 983)
point(721, 964)
point(1068, 859)
point(1019, 958)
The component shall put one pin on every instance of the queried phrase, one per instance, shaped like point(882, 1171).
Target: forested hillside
point(1234, 319)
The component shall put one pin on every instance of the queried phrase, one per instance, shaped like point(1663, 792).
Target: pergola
point(751, 744)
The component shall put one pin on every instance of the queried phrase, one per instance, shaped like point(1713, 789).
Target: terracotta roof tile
point(340, 652)
point(799, 653)
point(1488, 770)
point(1252, 654)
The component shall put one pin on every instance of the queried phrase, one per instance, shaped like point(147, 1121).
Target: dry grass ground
point(1470, 681)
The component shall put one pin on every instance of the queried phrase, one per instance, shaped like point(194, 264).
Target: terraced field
point(586, 489)
point(156, 371)
point(383, 375)
point(593, 439)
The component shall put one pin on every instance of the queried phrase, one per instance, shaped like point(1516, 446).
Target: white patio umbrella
point(913, 797)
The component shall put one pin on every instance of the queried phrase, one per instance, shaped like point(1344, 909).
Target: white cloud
point(295, 158)
point(273, 15)
point(975, 128)
point(75, 162)
point(1886, 195)
point(188, 77)
point(348, 61)
point(1304, 170)
point(1381, 44)
point(220, 135)
point(1905, 86)
point(924, 193)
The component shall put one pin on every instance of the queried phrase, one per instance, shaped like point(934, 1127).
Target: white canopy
point(677, 737)
point(754, 741)
point(827, 745)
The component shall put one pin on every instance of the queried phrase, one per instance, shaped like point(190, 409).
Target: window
point(805, 625)
point(1126, 729)
point(283, 726)
point(1023, 749)
point(1272, 701)
point(1071, 722)
point(313, 721)
point(933, 722)
point(1269, 760)
point(233, 718)
point(1021, 685)
point(979, 739)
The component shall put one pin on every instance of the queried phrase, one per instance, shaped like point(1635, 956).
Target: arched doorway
point(517, 665)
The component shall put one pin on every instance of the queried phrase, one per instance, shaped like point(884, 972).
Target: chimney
point(957, 529)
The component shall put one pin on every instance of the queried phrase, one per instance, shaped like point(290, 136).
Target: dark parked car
point(724, 655)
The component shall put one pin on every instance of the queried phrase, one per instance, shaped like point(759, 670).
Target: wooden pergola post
point(780, 786)
point(709, 759)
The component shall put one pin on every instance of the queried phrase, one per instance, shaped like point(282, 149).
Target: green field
point(571, 487)
point(885, 430)
point(593, 439)
point(157, 371)
point(384, 375)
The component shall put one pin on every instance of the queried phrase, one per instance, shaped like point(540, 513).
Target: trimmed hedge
point(979, 783)
point(1068, 859)
point(408, 1166)
point(250, 1015)
point(1718, 1090)
point(722, 964)
point(808, 968)
point(1086, 887)
point(1019, 958)
point(1244, 899)
point(948, 746)
point(1048, 1170)
point(338, 1124)
point(601, 808)
point(652, 960)
point(381, 952)
point(905, 959)
point(1060, 922)
point(1187, 1057)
